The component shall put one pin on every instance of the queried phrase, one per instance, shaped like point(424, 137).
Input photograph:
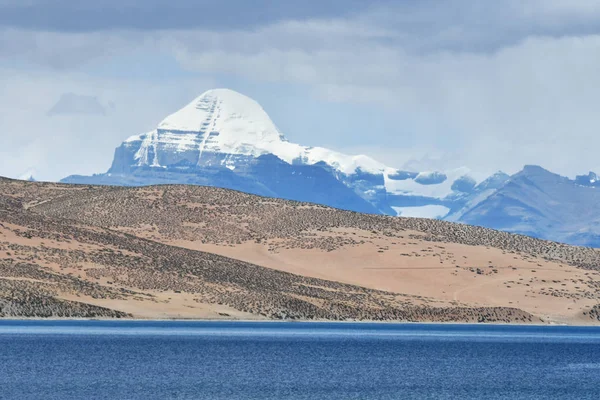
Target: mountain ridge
point(225, 139)
point(224, 130)
point(540, 203)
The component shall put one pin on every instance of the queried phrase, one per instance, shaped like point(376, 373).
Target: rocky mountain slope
point(539, 203)
point(200, 252)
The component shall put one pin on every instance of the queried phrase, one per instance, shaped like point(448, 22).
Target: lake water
point(239, 360)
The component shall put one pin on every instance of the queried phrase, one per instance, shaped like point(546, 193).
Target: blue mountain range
point(226, 139)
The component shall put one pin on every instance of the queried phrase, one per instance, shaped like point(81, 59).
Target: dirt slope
point(165, 242)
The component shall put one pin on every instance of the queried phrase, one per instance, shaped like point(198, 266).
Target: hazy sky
point(485, 84)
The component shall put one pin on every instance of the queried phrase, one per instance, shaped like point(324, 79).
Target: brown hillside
point(187, 251)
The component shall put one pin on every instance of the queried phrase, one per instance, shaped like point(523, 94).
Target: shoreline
point(291, 322)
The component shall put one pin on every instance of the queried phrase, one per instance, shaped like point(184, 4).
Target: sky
point(416, 84)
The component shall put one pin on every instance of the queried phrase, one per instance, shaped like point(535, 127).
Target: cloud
point(415, 27)
point(467, 26)
point(64, 51)
point(151, 15)
point(493, 85)
point(528, 101)
point(78, 143)
point(71, 103)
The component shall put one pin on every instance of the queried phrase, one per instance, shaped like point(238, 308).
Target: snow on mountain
point(227, 122)
point(222, 121)
point(223, 138)
point(427, 184)
point(591, 179)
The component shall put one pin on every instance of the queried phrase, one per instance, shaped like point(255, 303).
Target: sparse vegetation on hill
point(223, 216)
point(106, 252)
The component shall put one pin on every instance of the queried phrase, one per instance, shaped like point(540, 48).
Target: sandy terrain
point(169, 305)
point(474, 275)
point(54, 268)
point(153, 252)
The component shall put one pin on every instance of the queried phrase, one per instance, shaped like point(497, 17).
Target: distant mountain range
point(538, 203)
point(225, 139)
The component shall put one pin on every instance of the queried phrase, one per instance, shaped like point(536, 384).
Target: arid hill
point(199, 252)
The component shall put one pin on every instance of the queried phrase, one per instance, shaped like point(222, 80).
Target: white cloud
point(494, 84)
point(77, 143)
point(559, 8)
point(532, 102)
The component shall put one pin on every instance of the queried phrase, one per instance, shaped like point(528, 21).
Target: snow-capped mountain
point(223, 138)
point(228, 124)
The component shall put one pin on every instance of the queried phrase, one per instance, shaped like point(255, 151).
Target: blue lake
point(244, 360)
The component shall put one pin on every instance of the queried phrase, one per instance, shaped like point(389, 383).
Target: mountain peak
point(534, 169)
point(591, 179)
point(227, 112)
point(222, 125)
